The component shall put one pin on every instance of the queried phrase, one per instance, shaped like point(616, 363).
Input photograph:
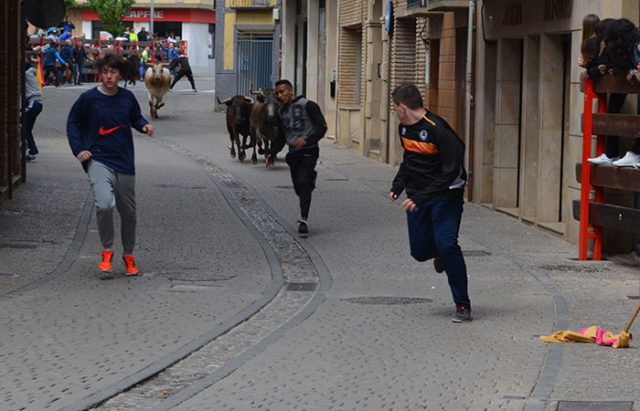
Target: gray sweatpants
point(113, 189)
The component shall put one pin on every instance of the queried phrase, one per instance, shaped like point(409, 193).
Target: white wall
point(87, 28)
point(288, 21)
point(197, 35)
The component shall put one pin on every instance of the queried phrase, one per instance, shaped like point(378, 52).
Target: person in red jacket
point(433, 175)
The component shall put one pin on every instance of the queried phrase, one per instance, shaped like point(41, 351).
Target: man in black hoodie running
point(185, 70)
point(301, 126)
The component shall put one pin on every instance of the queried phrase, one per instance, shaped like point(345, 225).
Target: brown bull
point(238, 114)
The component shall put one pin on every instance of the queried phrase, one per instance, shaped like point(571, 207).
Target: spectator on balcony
point(617, 58)
point(590, 51)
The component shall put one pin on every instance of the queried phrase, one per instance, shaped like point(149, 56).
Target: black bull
point(238, 118)
point(264, 126)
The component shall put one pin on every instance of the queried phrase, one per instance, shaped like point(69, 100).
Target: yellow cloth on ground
point(592, 334)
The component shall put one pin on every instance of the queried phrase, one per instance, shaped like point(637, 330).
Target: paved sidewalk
point(358, 352)
point(380, 337)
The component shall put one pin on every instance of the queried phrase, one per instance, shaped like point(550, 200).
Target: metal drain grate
point(186, 288)
point(595, 406)
point(301, 286)
point(574, 268)
point(180, 186)
point(386, 300)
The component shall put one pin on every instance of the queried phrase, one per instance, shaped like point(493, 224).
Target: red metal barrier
point(588, 231)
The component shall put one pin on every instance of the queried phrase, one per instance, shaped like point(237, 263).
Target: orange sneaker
point(105, 264)
point(130, 265)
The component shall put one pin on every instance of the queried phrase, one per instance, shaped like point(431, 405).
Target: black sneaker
point(302, 227)
point(437, 264)
point(463, 314)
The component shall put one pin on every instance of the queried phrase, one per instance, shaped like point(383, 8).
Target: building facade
point(248, 46)
point(516, 102)
point(529, 107)
point(190, 20)
point(384, 43)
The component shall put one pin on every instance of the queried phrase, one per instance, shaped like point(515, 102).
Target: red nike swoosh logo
point(102, 131)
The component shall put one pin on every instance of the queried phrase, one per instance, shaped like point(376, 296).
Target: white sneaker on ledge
point(601, 159)
point(628, 160)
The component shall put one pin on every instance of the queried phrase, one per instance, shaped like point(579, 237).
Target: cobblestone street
point(235, 311)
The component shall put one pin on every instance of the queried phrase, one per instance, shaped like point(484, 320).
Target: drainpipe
point(151, 13)
point(389, 29)
point(387, 142)
point(467, 124)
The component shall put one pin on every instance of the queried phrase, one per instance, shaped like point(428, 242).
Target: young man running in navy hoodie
point(99, 132)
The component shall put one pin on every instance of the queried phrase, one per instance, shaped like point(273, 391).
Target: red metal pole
point(599, 197)
point(586, 170)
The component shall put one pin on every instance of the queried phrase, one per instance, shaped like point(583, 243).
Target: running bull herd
point(256, 120)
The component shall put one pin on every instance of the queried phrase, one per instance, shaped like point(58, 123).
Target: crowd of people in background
point(611, 46)
point(55, 57)
point(69, 59)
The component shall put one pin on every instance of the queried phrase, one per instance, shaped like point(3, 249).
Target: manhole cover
point(301, 286)
point(595, 406)
point(179, 186)
point(575, 268)
point(388, 300)
point(190, 288)
point(197, 276)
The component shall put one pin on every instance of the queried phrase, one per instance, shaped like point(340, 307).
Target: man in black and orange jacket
point(433, 175)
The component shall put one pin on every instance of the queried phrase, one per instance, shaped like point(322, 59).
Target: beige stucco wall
point(538, 121)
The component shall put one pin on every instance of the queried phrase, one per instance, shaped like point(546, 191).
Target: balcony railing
point(250, 4)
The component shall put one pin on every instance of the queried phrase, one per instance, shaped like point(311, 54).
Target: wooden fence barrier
point(591, 210)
